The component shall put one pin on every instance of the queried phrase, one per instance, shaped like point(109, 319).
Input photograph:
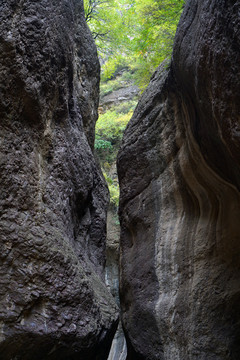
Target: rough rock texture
point(118, 349)
point(53, 301)
point(112, 254)
point(179, 169)
point(119, 96)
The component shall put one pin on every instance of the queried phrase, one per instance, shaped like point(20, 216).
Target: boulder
point(179, 172)
point(53, 199)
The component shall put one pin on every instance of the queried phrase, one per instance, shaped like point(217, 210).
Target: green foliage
point(114, 194)
point(138, 34)
point(102, 144)
point(154, 39)
point(110, 126)
point(133, 34)
point(109, 131)
point(109, 86)
point(124, 79)
point(127, 107)
point(111, 65)
point(113, 189)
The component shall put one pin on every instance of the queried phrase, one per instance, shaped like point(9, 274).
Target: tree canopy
point(133, 33)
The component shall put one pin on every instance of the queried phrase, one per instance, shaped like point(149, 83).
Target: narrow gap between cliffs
point(118, 98)
point(127, 35)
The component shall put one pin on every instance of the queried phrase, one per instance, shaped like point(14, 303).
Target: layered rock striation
point(53, 200)
point(179, 171)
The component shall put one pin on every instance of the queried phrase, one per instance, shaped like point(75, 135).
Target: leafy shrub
point(128, 76)
point(110, 126)
point(102, 144)
point(113, 66)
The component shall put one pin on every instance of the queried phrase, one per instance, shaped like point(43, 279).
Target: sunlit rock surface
point(180, 202)
point(53, 300)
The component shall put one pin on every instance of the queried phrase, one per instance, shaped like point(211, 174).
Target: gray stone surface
point(179, 171)
point(53, 300)
point(118, 349)
point(126, 93)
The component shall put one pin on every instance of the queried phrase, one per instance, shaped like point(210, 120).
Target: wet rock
point(179, 170)
point(53, 300)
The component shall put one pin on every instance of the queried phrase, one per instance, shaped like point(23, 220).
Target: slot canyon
point(177, 264)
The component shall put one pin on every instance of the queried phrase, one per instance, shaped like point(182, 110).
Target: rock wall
point(118, 349)
point(53, 200)
point(179, 170)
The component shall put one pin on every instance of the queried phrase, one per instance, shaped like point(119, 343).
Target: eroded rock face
point(179, 173)
point(118, 349)
point(53, 301)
